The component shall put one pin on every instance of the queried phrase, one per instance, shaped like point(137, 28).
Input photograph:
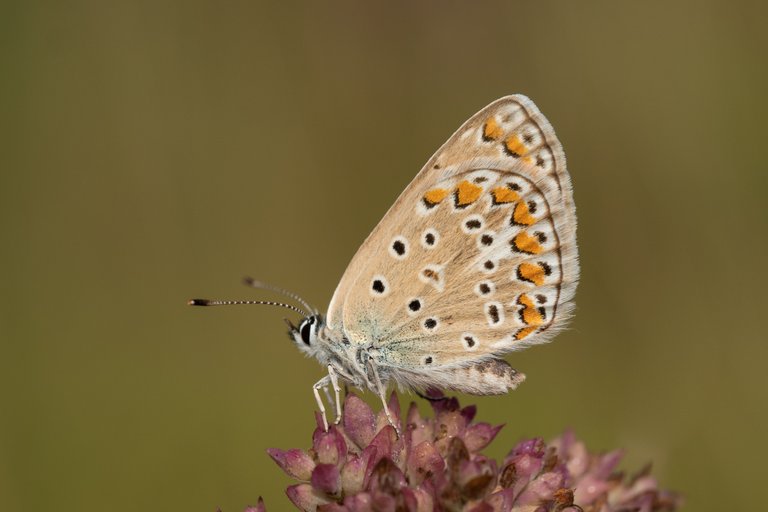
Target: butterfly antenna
point(253, 283)
point(206, 302)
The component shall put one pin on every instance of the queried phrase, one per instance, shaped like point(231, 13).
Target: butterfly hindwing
point(476, 258)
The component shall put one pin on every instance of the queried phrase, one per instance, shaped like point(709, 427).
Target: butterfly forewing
point(476, 258)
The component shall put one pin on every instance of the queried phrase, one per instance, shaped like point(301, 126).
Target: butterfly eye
point(306, 329)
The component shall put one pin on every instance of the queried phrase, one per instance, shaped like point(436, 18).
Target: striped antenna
point(206, 302)
point(253, 283)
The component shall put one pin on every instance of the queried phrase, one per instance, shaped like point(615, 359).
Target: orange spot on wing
point(492, 130)
point(523, 242)
point(522, 333)
point(531, 273)
point(515, 147)
point(434, 196)
point(467, 193)
point(430, 274)
point(522, 214)
point(504, 195)
point(529, 314)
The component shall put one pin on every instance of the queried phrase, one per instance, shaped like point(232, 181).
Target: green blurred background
point(156, 151)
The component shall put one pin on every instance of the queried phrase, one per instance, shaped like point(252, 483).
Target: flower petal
point(456, 454)
point(449, 421)
point(387, 477)
point(444, 404)
point(533, 446)
point(386, 444)
point(258, 508)
point(382, 502)
point(589, 489)
point(425, 501)
point(330, 447)
point(358, 421)
point(417, 429)
point(543, 488)
point(356, 471)
point(479, 436)
point(325, 478)
point(469, 413)
point(296, 463)
point(573, 452)
point(408, 499)
point(394, 410)
point(482, 507)
point(502, 500)
point(332, 507)
point(305, 497)
point(476, 477)
point(361, 502)
point(527, 466)
point(607, 463)
point(423, 461)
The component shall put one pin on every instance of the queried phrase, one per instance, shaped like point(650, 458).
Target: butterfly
point(475, 259)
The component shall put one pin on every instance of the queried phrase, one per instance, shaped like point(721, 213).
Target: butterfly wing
point(476, 258)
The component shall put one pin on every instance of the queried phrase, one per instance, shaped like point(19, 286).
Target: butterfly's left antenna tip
point(197, 302)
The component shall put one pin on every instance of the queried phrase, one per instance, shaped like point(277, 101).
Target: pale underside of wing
point(476, 258)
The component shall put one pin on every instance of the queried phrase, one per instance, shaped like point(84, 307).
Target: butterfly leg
point(380, 390)
point(328, 396)
point(322, 383)
point(336, 391)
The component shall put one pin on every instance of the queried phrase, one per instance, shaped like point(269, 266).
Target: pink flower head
point(362, 465)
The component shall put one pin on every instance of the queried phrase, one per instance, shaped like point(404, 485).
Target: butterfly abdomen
point(487, 377)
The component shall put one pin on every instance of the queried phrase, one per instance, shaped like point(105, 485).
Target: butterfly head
point(307, 334)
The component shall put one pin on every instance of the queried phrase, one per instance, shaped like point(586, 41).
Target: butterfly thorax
point(353, 362)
